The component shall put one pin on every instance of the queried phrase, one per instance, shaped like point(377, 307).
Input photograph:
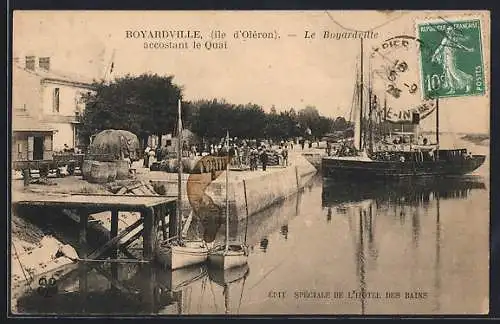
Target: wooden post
point(150, 292)
point(84, 216)
point(245, 192)
point(114, 232)
point(172, 220)
point(83, 285)
point(26, 177)
point(297, 177)
point(149, 235)
point(164, 212)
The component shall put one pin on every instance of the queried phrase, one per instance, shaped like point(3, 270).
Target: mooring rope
point(22, 267)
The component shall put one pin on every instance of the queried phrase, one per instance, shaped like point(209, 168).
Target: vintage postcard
point(250, 163)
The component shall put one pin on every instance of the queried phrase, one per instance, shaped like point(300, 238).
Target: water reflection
point(227, 279)
point(411, 192)
point(329, 215)
point(403, 199)
point(284, 231)
point(263, 244)
point(147, 290)
point(365, 238)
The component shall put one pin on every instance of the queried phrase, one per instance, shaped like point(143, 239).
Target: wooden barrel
point(122, 170)
point(99, 172)
point(211, 165)
point(112, 171)
point(86, 166)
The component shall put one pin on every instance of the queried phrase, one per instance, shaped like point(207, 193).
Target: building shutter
point(31, 140)
point(47, 147)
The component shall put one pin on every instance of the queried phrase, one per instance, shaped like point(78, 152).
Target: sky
point(291, 71)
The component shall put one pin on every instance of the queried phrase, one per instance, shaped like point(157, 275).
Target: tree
point(340, 124)
point(212, 118)
point(144, 105)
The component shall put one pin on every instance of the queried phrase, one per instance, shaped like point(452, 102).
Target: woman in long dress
point(446, 55)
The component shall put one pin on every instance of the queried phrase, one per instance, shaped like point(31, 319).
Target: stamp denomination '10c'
point(451, 58)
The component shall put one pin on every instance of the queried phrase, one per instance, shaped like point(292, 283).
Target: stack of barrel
point(272, 159)
point(105, 171)
point(191, 165)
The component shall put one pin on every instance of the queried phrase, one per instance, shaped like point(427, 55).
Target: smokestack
point(30, 63)
point(44, 63)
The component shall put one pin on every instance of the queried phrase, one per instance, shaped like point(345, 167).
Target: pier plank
point(91, 201)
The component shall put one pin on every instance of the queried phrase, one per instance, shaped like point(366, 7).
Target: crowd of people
point(243, 154)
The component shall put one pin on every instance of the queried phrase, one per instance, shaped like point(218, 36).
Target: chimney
point(30, 63)
point(44, 63)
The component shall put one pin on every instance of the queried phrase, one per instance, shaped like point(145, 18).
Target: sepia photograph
point(287, 162)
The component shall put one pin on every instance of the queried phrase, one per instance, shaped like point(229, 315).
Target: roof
point(58, 76)
point(95, 201)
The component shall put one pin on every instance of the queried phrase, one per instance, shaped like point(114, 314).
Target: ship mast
point(361, 99)
point(227, 196)
point(437, 128)
point(179, 172)
point(371, 102)
point(437, 121)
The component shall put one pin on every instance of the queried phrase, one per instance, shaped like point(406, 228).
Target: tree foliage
point(212, 118)
point(143, 105)
point(147, 105)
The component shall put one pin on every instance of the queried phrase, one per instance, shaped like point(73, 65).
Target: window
point(56, 100)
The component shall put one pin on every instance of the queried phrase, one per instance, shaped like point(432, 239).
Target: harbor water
point(411, 247)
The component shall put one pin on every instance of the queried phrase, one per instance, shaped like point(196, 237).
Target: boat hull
point(333, 167)
point(175, 280)
point(177, 257)
point(222, 259)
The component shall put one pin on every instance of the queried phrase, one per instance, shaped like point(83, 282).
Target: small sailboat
point(226, 279)
point(232, 253)
point(178, 252)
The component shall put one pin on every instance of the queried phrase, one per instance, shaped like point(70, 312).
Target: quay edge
point(262, 188)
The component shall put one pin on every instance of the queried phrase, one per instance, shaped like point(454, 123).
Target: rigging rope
point(189, 281)
point(203, 287)
point(269, 272)
point(213, 295)
point(354, 98)
point(241, 295)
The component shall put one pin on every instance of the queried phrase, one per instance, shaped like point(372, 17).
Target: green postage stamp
point(451, 58)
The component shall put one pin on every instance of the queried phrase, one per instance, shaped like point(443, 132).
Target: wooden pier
point(153, 210)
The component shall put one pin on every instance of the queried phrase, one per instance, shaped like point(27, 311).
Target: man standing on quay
point(263, 158)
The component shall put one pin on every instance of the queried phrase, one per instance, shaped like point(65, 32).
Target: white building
point(46, 106)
